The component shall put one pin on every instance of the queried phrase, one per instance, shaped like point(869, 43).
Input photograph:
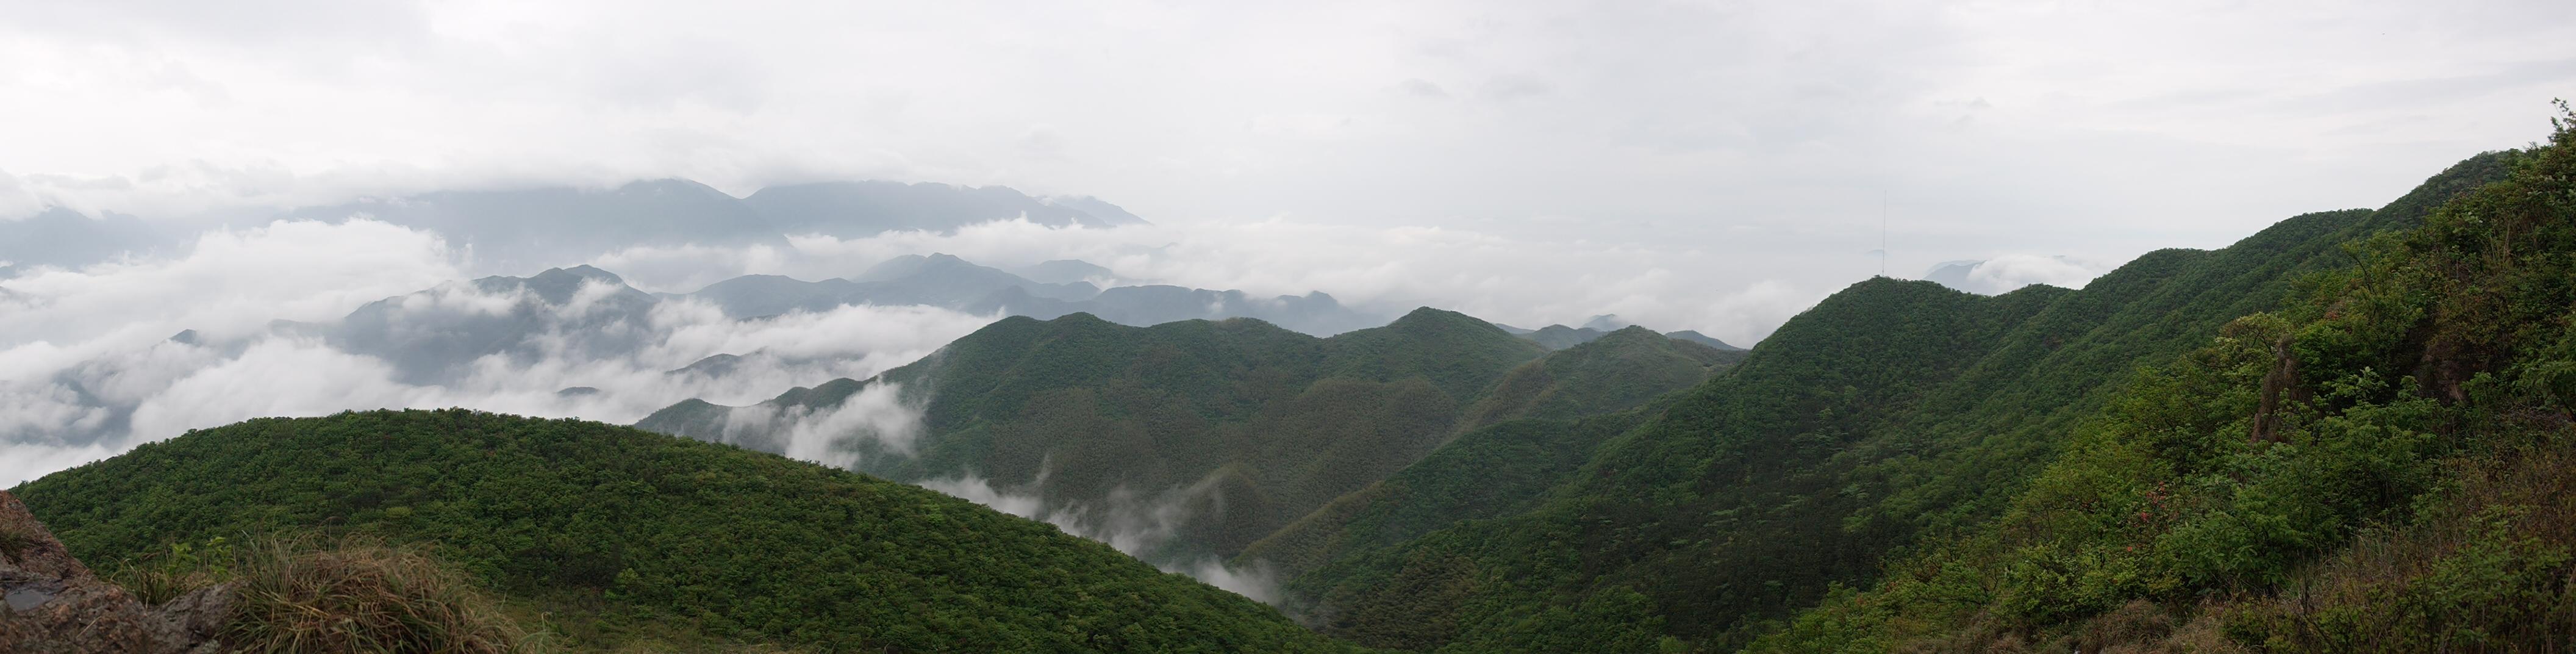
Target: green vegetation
point(1490, 472)
point(631, 536)
point(2381, 465)
point(2350, 431)
point(1622, 369)
point(1892, 418)
point(1243, 425)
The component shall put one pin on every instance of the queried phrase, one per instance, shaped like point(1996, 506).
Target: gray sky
point(1712, 166)
point(1687, 166)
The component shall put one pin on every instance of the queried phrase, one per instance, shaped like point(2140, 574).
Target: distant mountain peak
point(864, 208)
point(1606, 322)
point(1109, 214)
point(1633, 331)
point(669, 185)
point(1079, 319)
point(1703, 339)
point(1067, 271)
point(1427, 316)
point(574, 276)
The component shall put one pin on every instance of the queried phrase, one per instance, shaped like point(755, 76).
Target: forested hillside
point(1197, 438)
point(1892, 415)
point(2380, 464)
point(625, 537)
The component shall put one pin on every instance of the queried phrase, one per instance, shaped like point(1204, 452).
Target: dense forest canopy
point(1187, 441)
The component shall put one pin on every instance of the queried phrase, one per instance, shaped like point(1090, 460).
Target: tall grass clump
point(295, 595)
point(14, 544)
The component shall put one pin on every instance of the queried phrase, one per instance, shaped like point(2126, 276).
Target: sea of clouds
point(238, 323)
point(89, 365)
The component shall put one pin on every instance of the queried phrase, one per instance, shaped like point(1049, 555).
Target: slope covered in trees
point(1892, 414)
point(1195, 438)
point(1622, 369)
point(2381, 464)
point(644, 532)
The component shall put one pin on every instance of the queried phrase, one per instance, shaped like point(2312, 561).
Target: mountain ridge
point(1858, 454)
point(612, 526)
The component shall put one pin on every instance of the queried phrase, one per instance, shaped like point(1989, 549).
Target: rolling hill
point(621, 534)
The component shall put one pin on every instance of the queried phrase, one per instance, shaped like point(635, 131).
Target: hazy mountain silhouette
point(430, 336)
point(65, 238)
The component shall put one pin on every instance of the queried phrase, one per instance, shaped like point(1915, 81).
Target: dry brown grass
point(361, 597)
point(299, 596)
point(2134, 627)
point(14, 544)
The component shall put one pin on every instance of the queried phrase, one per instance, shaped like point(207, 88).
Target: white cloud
point(1138, 524)
point(228, 283)
point(1389, 269)
point(2096, 129)
point(87, 365)
point(2012, 271)
point(878, 414)
point(1258, 582)
point(2005, 273)
point(275, 377)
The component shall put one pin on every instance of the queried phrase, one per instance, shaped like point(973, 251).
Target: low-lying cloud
point(94, 360)
point(2014, 271)
point(1142, 525)
point(2003, 274)
point(1382, 269)
point(878, 418)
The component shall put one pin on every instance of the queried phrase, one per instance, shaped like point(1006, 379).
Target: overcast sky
point(1742, 154)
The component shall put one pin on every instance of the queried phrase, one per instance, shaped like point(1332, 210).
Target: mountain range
point(2347, 431)
point(62, 237)
point(1558, 337)
point(531, 228)
point(946, 281)
point(1890, 415)
point(526, 228)
point(1190, 440)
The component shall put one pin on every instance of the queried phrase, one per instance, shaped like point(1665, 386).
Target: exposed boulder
point(54, 605)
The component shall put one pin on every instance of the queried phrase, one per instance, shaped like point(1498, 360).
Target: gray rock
point(56, 606)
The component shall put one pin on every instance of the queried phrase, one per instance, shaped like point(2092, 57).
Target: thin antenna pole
point(1882, 232)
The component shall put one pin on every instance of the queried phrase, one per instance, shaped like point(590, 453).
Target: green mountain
point(615, 532)
point(1192, 439)
point(936, 280)
point(1890, 415)
point(2381, 463)
point(1558, 337)
point(1616, 371)
point(1243, 424)
point(1489, 472)
point(2349, 431)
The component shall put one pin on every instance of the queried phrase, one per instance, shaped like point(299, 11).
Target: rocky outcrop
point(54, 605)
